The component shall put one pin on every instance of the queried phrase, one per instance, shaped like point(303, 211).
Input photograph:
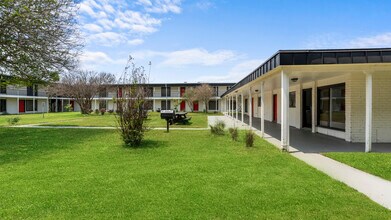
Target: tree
point(38, 39)
point(83, 86)
point(190, 97)
point(132, 106)
point(203, 93)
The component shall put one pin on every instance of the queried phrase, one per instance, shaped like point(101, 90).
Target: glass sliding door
point(331, 107)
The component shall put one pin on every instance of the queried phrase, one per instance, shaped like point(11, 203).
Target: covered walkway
point(306, 141)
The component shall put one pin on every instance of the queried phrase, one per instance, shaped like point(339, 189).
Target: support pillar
point(33, 105)
point(250, 109)
point(262, 110)
point(62, 105)
point(242, 106)
point(368, 112)
point(236, 107)
point(47, 105)
point(153, 105)
point(313, 108)
point(284, 111)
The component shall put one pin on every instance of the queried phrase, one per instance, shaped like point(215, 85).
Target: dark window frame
point(165, 91)
point(292, 99)
point(3, 105)
point(330, 101)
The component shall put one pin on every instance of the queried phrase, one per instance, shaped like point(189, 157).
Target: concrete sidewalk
point(376, 188)
point(108, 128)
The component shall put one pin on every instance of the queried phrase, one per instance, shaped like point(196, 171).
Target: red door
point(274, 107)
point(183, 106)
point(195, 106)
point(183, 90)
point(21, 106)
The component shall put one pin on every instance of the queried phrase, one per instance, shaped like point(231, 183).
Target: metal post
point(262, 110)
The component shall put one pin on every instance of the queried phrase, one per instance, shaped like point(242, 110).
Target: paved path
point(229, 123)
point(376, 188)
point(108, 128)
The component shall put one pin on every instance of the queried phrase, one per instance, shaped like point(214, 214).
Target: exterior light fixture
point(256, 90)
point(294, 79)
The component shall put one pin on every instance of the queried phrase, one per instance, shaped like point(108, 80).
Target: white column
point(62, 105)
point(17, 104)
point(154, 104)
point(47, 105)
point(229, 105)
point(232, 106)
point(313, 116)
point(242, 106)
point(236, 107)
point(33, 105)
point(250, 109)
point(95, 104)
point(368, 112)
point(284, 111)
point(262, 110)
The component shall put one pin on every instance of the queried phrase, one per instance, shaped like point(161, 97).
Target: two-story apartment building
point(166, 96)
point(30, 99)
point(33, 99)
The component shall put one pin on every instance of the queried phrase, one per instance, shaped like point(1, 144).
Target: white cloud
point(380, 40)
point(115, 21)
point(331, 40)
point(161, 6)
point(108, 38)
point(96, 59)
point(195, 56)
point(136, 41)
point(90, 57)
point(93, 27)
point(237, 72)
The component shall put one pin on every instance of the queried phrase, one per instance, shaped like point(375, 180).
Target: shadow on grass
point(23, 144)
point(149, 144)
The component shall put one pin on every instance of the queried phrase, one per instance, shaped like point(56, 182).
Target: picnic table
point(181, 117)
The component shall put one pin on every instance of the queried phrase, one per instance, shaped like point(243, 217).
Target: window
point(102, 104)
point(29, 105)
point(3, 105)
point(166, 91)
point(259, 101)
point(215, 91)
point(103, 93)
point(331, 109)
point(3, 89)
point(213, 105)
point(292, 100)
point(166, 105)
point(32, 90)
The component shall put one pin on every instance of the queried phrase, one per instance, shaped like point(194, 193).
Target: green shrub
point(13, 120)
point(234, 133)
point(68, 108)
point(97, 111)
point(102, 111)
point(218, 128)
point(250, 136)
point(111, 111)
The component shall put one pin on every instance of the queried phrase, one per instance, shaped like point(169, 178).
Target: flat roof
point(316, 57)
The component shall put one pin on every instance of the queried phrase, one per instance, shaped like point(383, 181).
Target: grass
point(378, 164)
point(84, 173)
point(198, 120)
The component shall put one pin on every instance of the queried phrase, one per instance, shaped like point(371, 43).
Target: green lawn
point(378, 164)
point(84, 173)
point(198, 120)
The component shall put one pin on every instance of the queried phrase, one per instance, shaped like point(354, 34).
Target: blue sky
point(222, 40)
